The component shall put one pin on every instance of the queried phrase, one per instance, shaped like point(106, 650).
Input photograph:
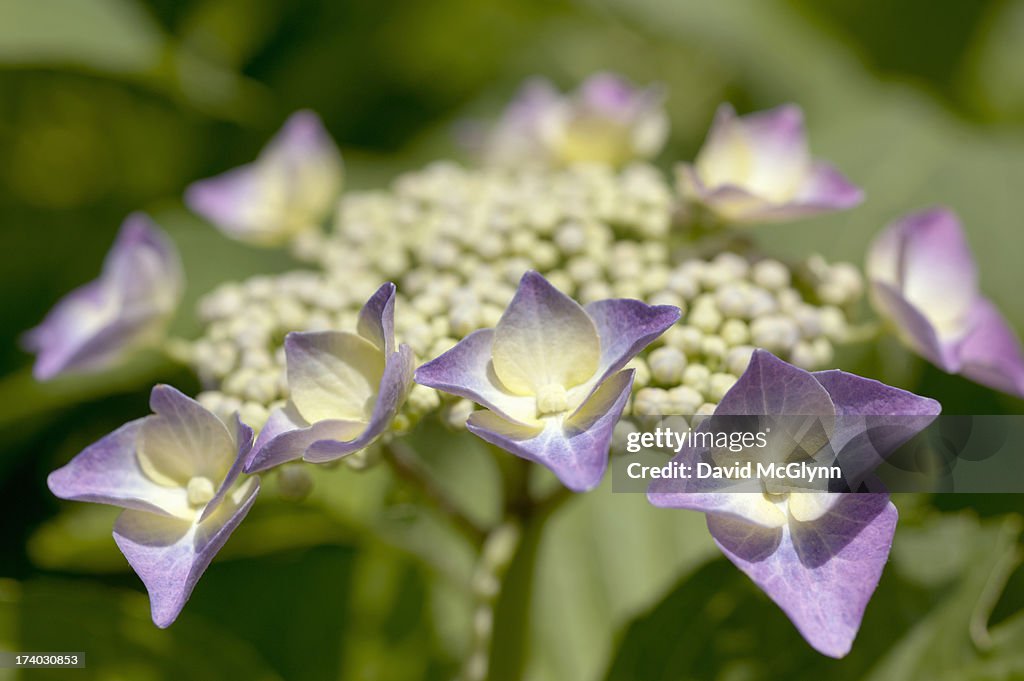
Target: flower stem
point(406, 464)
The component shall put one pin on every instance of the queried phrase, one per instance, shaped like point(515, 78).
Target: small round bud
point(713, 348)
point(731, 300)
point(696, 376)
point(641, 372)
point(735, 265)
point(456, 413)
point(683, 400)
point(422, 399)
point(770, 274)
point(833, 322)
point(734, 332)
point(667, 364)
point(294, 482)
point(719, 384)
point(737, 359)
point(571, 238)
point(649, 402)
point(774, 333)
point(707, 318)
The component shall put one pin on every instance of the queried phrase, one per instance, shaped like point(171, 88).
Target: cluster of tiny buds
point(456, 241)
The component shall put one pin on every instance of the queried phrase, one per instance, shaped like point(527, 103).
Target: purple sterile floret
point(550, 376)
point(923, 280)
point(757, 168)
point(128, 306)
point(177, 475)
point(297, 431)
point(818, 555)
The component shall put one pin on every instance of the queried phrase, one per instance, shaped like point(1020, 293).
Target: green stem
point(406, 464)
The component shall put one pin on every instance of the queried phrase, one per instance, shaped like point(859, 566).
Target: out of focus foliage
point(107, 106)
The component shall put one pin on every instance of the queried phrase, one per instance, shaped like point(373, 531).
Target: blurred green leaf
point(113, 628)
point(601, 561)
point(918, 625)
point(107, 35)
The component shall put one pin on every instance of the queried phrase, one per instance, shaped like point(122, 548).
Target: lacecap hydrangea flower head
point(542, 296)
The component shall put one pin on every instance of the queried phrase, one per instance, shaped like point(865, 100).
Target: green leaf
point(113, 628)
point(106, 35)
point(601, 560)
point(918, 625)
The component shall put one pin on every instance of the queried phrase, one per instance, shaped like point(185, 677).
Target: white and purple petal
point(822, 574)
point(466, 371)
point(575, 450)
point(757, 168)
point(129, 305)
point(290, 187)
point(108, 472)
point(171, 554)
point(625, 327)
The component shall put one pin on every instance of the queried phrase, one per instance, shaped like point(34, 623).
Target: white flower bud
point(702, 413)
point(294, 482)
point(456, 413)
point(684, 283)
point(833, 322)
point(735, 265)
point(760, 303)
point(774, 333)
point(254, 415)
point(803, 356)
point(707, 318)
point(823, 351)
point(789, 299)
point(667, 364)
point(770, 274)
point(683, 400)
point(734, 332)
point(561, 280)
point(571, 238)
point(732, 300)
point(719, 384)
point(649, 402)
point(713, 348)
point(685, 337)
point(696, 376)
point(737, 359)
point(593, 291)
point(422, 400)
point(808, 320)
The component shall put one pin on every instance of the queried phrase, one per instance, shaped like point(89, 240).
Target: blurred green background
point(108, 106)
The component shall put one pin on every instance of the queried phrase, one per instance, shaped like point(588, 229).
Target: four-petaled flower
point(607, 120)
point(550, 376)
point(345, 389)
point(290, 188)
point(757, 169)
point(176, 474)
point(818, 555)
point(127, 307)
point(923, 279)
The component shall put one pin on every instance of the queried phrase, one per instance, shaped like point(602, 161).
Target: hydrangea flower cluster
point(536, 300)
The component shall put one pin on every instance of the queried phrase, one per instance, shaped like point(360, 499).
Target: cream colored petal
point(333, 375)
point(544, 338)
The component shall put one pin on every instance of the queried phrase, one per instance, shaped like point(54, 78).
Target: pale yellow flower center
point(552, 399)
point(200, 491)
